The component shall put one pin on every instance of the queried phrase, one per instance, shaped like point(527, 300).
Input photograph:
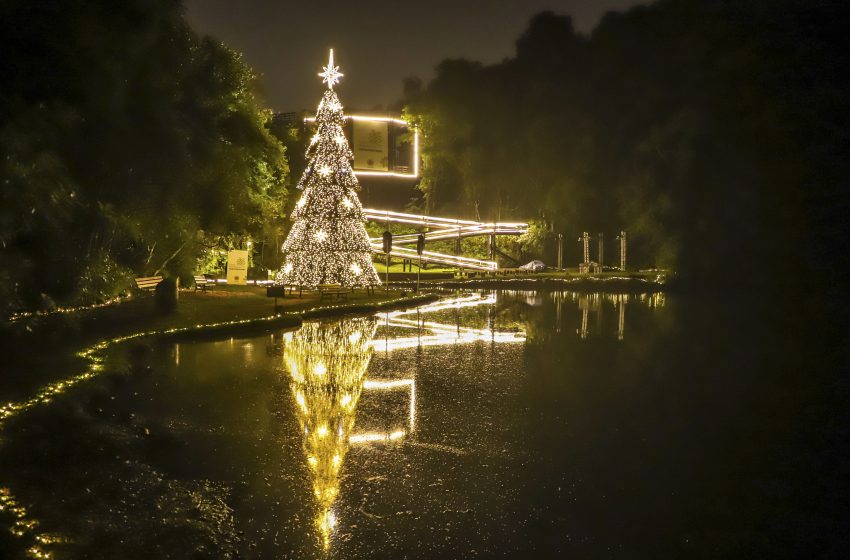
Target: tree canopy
point(706, 129)
point(126, 138)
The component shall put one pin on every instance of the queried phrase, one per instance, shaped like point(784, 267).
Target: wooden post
point(585, 252)
point(601, 251)
point(458, 250)
point(560, 251)
point(622, 238)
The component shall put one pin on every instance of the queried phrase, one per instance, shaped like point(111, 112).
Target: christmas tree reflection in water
point(328, 363)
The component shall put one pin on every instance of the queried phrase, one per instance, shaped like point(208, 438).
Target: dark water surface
point(505, 425)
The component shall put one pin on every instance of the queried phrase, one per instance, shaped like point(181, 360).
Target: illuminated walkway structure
point(441, 229)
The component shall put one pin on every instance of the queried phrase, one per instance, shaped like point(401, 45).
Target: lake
point(486, 425)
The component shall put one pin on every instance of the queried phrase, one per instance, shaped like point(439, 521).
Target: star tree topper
point(331, 74)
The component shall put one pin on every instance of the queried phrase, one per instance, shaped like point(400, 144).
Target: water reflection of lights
point(440, 333)
point(443, 339)
point(655, 299)
point(472, 300)
point(595, 302)
point(384, 385)
point(327, 363)
point(373, 437)
point(23, 524)
point(94, 356)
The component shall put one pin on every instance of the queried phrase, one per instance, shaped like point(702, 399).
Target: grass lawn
point(397, 267)
point(216, 304)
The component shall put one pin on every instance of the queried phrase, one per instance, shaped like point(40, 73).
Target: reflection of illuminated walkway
point(435, 334)
point(327, 363)
point(439, 334)
point(388, 385)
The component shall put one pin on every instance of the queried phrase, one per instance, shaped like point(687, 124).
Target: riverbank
point(43, 343)
point(41, 349)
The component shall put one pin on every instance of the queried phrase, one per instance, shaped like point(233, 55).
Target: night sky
point(377, 43)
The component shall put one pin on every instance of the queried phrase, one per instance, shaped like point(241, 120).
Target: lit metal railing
point(441, 229)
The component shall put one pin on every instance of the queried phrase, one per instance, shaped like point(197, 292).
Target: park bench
point(201, 282)
point(329, 290)
point(148, 283)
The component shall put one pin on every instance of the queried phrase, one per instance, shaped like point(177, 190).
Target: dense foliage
point(709, 130)
point(128, 144)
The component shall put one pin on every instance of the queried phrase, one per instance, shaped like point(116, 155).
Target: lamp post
point(420, 246)
point(585, 241)
point(601, 250)
point(388, 244)
point(560, 251)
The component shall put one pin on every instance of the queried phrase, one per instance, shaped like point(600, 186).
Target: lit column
point(622, 238)
point(560, 250)
point(601, 251)
point(585, 241)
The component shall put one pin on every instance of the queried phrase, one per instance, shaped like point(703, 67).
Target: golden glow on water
point(94, 355)
point(328, 364)
point(382, 385)
point(336, 356)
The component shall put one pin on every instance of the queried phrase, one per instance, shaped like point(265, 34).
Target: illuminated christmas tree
point(328, 243)
point(328, 364)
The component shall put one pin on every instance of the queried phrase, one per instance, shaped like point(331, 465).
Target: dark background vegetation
point(129, 144)
point(712, 131)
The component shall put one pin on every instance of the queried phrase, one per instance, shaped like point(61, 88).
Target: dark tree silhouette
point(123, 134)
point(709, 130)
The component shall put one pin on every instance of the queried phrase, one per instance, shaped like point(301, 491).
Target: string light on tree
point(328, 243)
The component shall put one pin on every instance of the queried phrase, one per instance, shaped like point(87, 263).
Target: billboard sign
point(237, 267)
point(382, 146)
point(371, 145)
